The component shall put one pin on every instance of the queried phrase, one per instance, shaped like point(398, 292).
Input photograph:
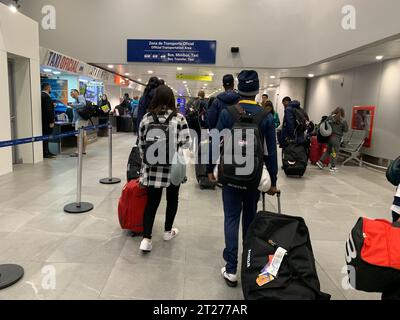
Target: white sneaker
point(320, 165)
point(170, 235)
point(333, 169)
point(146, 245)
point(230, 279)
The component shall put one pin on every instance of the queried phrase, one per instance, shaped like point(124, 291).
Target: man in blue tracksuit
point(235, 200)
point(289, 127)
point(223, 100)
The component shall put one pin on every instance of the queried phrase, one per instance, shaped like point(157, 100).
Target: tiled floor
point(93, 259)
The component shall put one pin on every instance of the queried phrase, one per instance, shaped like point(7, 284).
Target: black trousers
point(46, 150)
point(154, 199)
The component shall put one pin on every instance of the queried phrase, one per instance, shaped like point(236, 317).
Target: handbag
point(178, 169)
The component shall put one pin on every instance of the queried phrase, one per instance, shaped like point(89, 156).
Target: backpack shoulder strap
point(170, 117)
point(259, 117)
point(236, 112)
point(155, 118)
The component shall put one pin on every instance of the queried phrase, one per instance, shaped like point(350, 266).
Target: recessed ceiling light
point(47, 70)
point(311, 75)
point(211, 74)
point(13, 8)
point(56, 72)
point(179, 68)
point(110, 66)
point(273, 77)
point(271, 85)
point(150, 72)
point(205, 84)
point(379, 58)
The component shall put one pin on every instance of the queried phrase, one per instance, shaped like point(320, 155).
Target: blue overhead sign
point(172, 51)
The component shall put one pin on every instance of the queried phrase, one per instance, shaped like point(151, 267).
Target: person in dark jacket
point(48, 118)
point(290, 126)
point(145, 100)
point(223, 100)
point(236, 200)
point(127, 103)
point(104, 104)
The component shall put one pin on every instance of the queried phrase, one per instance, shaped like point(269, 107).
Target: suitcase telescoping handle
point(278, 196)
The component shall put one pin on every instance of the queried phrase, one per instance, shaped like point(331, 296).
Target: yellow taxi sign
point(193, 77)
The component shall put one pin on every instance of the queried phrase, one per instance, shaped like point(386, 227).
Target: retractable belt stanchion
point(79, 206)
point(110, 179)
point(10, 274)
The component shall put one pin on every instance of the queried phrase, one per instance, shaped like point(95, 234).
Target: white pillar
point(295, 88)
point(5, 126)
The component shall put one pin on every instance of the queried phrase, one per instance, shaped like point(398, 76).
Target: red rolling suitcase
point(317, 150)
point(131, 207)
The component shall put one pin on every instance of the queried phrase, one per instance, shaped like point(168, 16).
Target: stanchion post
point(79, 206)
point(110, 179)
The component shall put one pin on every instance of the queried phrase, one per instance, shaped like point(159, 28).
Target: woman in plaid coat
point(156, 178)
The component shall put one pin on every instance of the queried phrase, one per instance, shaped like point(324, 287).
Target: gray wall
point(270, 33)
point(372, 85)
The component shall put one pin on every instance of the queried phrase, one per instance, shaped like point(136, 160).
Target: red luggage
point(317, 150)
point(373, 256)
point(131, 206)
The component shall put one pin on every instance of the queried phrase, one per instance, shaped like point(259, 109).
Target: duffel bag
point(373, 256)
point(278, 261)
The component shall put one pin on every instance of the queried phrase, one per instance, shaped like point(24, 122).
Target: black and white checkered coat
point(160, 176)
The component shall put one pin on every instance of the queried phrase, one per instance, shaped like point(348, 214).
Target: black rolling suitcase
point(134, 164)
point(278, 261)
point(202, 178)
point(125, 124)
point(201, 170)
point(295, 160)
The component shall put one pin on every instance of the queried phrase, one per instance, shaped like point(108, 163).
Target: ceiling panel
point(389, 49)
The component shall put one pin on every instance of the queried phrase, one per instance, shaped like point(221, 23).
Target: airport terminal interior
point(321, 63)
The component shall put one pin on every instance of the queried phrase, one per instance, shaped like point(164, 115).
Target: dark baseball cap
point(228, 80)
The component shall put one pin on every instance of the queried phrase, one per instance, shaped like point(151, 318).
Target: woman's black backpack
point(158, 148)
point(297, 278)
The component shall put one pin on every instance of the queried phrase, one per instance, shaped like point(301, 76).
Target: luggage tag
point(275, 265)
point(264, 277)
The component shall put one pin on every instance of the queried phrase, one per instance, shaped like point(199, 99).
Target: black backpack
point(134, 164)
point(301, 120)
point(320, 137)
point(88, 111)
point(297, 278)
point(157, 143)
point(245, 134)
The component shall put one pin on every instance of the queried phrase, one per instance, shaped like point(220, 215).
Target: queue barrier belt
point(10, 143)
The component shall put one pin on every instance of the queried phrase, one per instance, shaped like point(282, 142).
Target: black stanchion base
point(110, 181)
point(74, 208)
point(10, 274)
